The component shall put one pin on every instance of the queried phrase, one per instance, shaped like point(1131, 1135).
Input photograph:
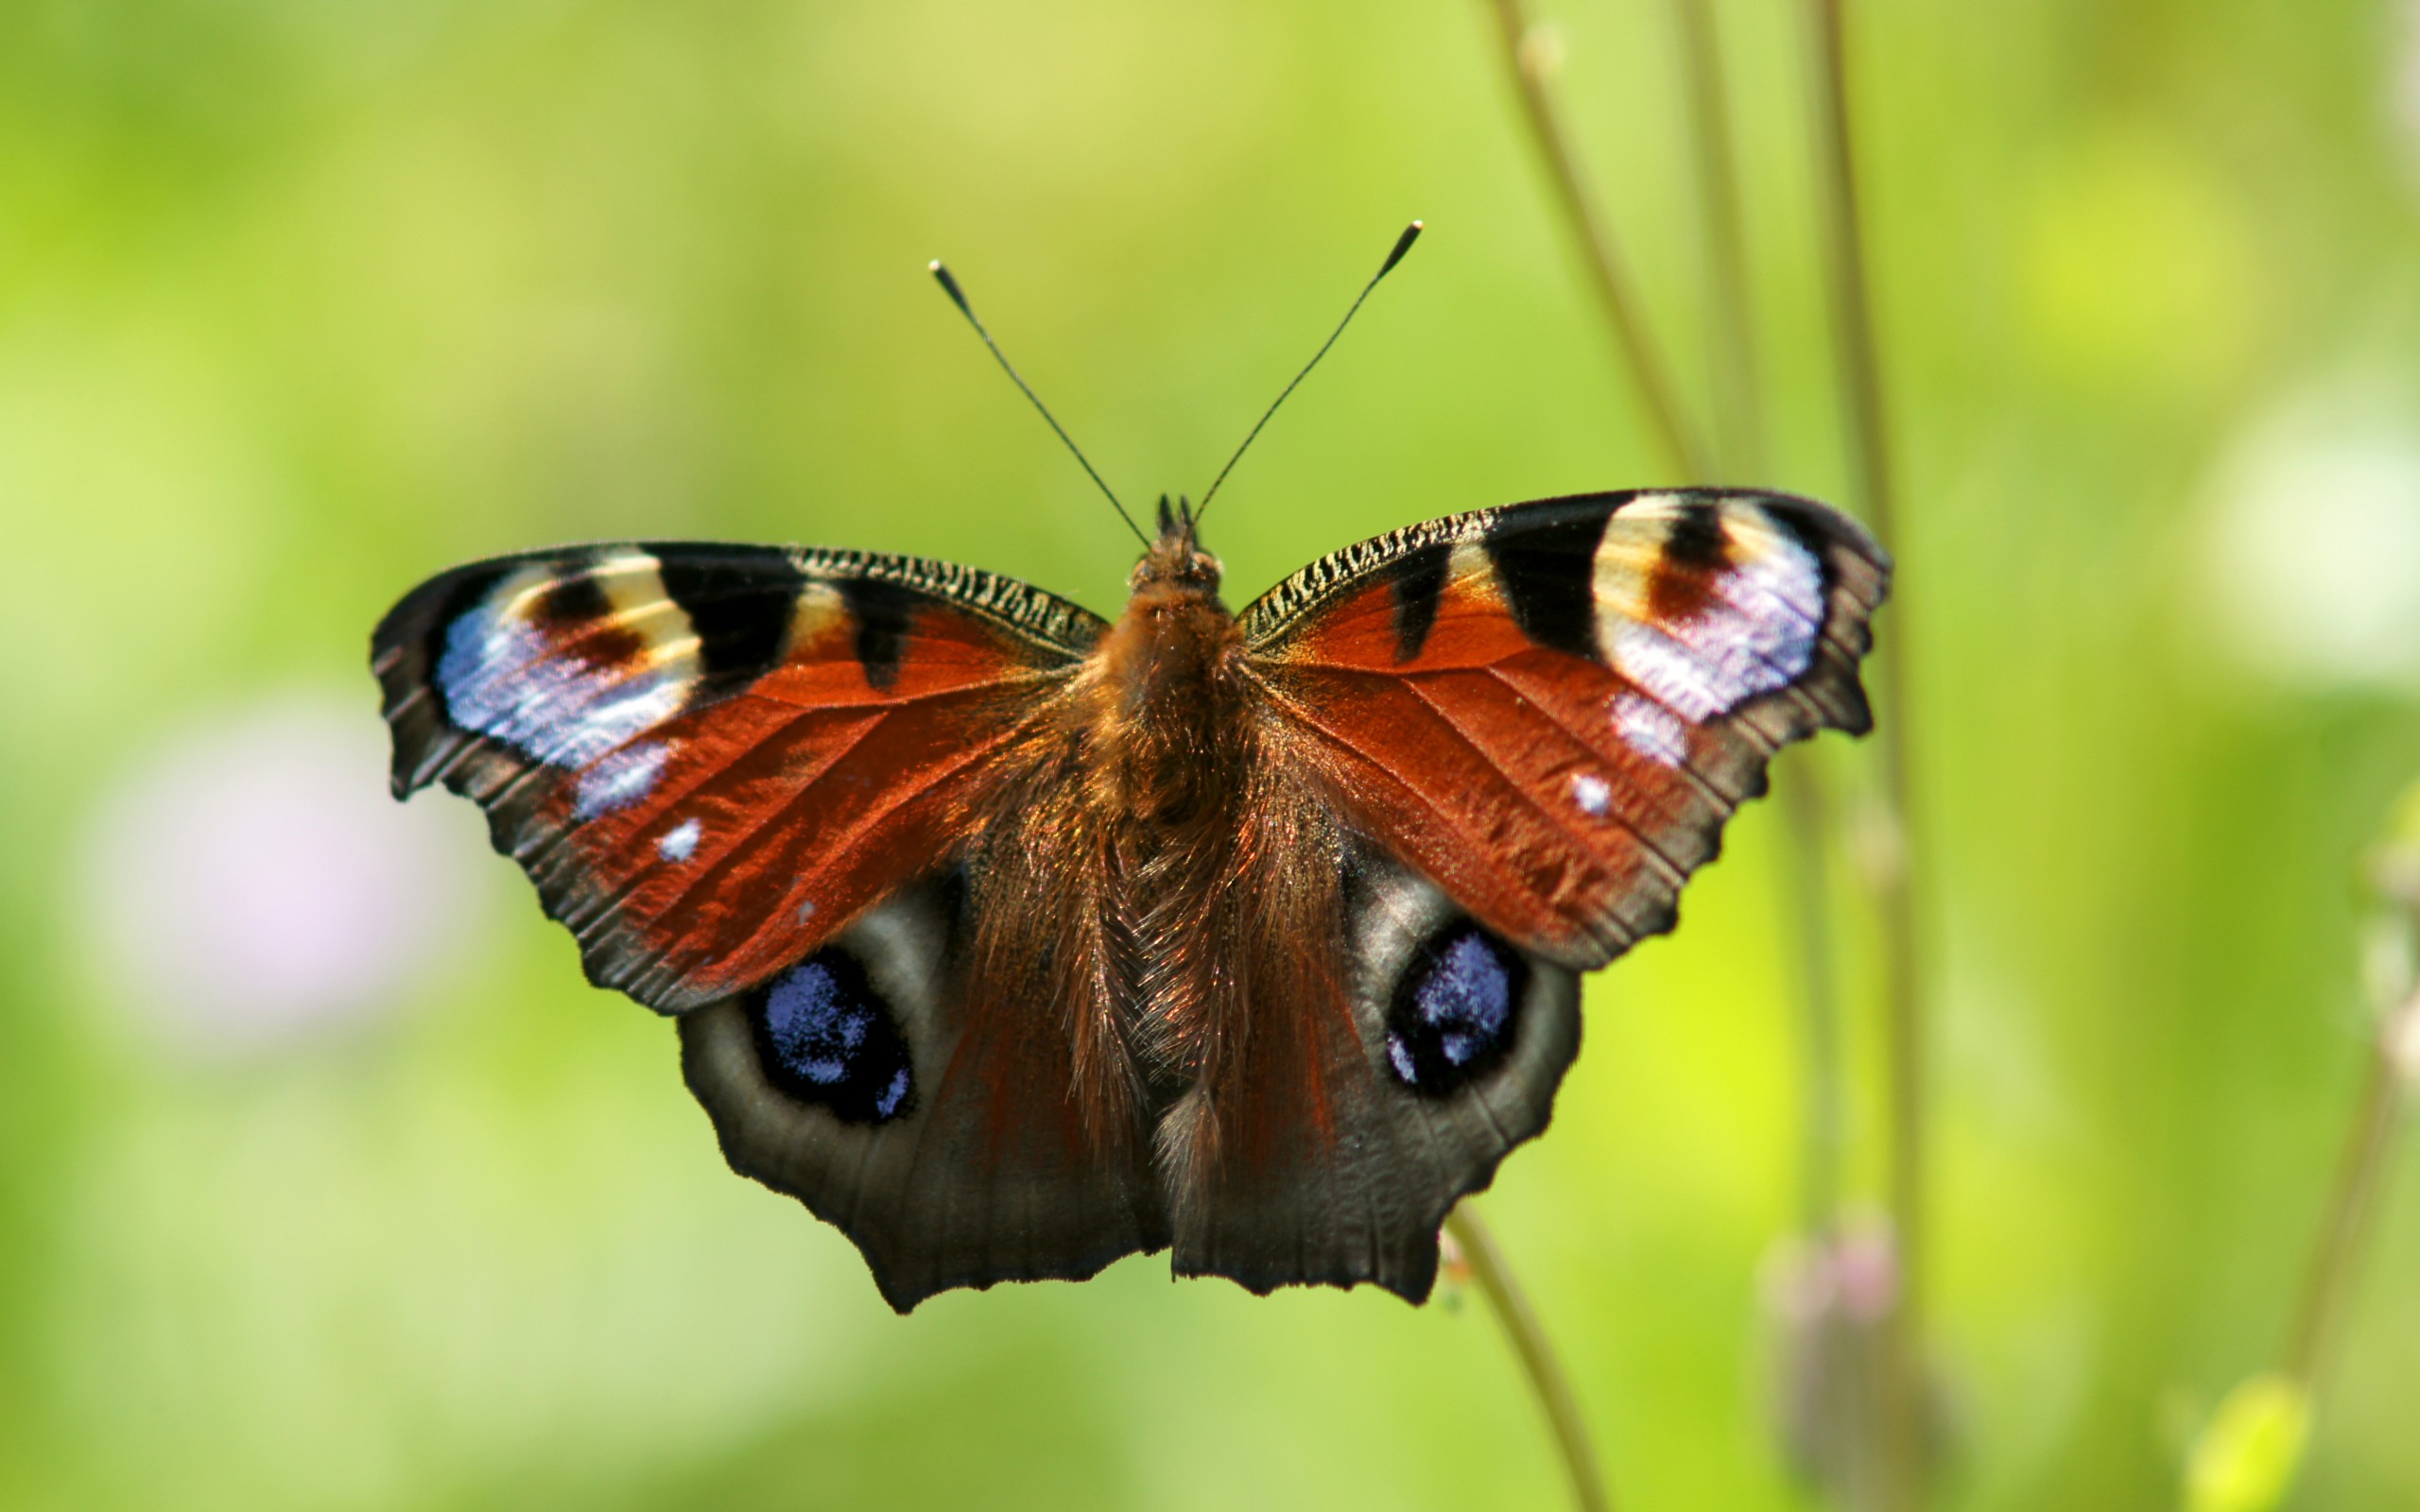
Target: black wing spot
point(1456, 1009)
point(569, 602)
point(1419, 587)
point(824, 1036)
point(1548, 576)
point(885, 614)
point(1696, 539)
point(740, 603)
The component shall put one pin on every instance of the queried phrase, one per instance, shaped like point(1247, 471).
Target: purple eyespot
point(825, 1036)
point(1455, 1010)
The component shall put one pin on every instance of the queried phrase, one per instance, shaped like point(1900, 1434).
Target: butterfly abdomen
point(1223, 883)
point(1106, 847)
point(1169, 747)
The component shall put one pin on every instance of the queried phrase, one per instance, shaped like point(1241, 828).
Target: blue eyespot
point(826, 1037)
point(1456, 1009)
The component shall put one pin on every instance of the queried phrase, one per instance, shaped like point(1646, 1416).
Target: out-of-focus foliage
point(302, 301)
point(2245, 1460)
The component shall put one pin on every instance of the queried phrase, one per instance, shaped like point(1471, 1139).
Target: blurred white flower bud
point(2315, 547)
point(2400, 1039)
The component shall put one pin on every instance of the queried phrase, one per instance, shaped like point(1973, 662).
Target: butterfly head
point(1176, 560)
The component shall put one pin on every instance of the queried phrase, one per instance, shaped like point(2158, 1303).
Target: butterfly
point(1012, 941)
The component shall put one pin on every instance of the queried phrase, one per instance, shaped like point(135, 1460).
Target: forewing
point(709, 758)
point(1550, 709)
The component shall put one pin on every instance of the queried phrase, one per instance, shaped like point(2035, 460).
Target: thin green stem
point(1845, 264)
point(1741, 432)
point(1553, 1388)
point(1903, 1016)
point(2334, 1267)
point(1739, 426)
point(1807, 899)
point(1531, 70)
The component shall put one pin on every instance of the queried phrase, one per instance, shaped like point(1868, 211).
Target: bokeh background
point(324, 1180)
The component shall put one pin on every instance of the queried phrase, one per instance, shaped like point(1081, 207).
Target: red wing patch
point(1552, 708)
point(712, 758)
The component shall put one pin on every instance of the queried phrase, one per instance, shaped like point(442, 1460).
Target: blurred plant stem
point(1891, 1445)
point(2351, 1206)
point(2392, 1071)
point(1881, 1417)
point(1902, 1477)
point(1739, 429)
point(2248, 1455)
point(1839, 1368)
point(1530, 55)
point(1807, 899)
point(1738, 410)
point(1553, 1388)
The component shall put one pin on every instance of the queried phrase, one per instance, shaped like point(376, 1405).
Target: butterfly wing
point(1368, 1071)
point(1530, 725)
point(1552, 708)
point(747, 779)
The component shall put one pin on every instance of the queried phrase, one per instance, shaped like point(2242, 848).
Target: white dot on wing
point(1592, 793)
point(681, 842)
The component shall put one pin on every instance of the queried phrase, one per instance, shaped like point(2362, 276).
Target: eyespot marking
point(1455, 1010)
point(560, 669)
point(1707, 607)
point(826, 1037)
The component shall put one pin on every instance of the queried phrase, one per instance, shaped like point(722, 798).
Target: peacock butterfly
point(1012, 941)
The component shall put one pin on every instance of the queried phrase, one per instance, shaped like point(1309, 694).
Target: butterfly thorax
point(1167, 720)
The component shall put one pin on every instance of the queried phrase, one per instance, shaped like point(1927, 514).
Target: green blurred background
point(325, 1182)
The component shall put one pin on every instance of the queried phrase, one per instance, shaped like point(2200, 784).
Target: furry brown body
point(1199, 931)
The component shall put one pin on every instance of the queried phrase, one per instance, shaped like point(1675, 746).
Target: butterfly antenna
point(958, 297)
point(1403, 245)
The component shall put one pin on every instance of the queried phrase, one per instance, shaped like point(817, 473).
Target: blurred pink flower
point(250, 878)
point(1829, 1301)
